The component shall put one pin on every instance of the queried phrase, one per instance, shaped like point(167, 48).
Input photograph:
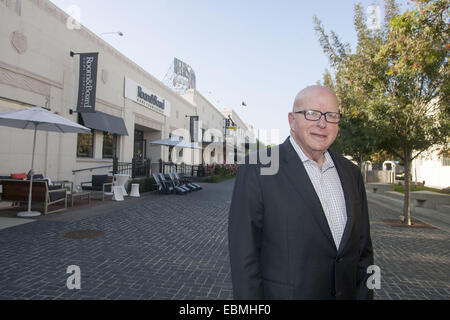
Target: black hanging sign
point(88, 82)
point(193, 126)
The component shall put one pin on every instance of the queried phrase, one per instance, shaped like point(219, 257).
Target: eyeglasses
point(315, 115)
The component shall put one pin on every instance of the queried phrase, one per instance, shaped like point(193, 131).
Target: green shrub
point(145, 184)
point(219, 172)
point(218, 178)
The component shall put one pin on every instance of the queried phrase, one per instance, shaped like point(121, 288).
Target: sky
point(259, 52)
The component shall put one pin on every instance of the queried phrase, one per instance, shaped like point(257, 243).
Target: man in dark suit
point(303, 232)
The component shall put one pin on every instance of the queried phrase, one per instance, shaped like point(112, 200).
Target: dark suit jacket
point(280, 243)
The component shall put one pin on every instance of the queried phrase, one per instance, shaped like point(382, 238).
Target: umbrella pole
point(32, 166)
point(30, 213)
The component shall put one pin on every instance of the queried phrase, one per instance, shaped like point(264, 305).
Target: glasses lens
point(312, 115)
point(333, 116)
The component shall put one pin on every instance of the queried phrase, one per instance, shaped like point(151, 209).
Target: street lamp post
point(120, 33)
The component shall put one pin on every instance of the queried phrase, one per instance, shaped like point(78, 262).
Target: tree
point(356, 137)
point(402, 72)
point(357, 134)
point(414, 87)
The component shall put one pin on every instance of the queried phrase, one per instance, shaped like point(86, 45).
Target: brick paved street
point(415, 263)
point(175, 247)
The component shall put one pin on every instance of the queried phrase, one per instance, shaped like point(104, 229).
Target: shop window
point(109, 145)
point(85, 145)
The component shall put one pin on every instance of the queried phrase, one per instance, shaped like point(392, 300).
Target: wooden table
point(79, 194)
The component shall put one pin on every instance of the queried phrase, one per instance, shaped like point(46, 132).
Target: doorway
point(140, 145)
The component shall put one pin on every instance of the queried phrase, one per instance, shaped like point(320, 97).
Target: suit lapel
point(295, 171)
point(346, 187)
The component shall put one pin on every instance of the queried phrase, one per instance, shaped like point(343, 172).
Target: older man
point(302, 233)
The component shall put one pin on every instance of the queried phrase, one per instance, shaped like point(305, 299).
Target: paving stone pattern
point(414, 262)
point(175, 247)
point(170, 247)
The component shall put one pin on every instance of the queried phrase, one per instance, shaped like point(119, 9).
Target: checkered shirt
point(327, 185)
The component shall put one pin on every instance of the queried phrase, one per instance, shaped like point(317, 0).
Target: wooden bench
point(428, 199)
point(18, 191)
point(379, 187)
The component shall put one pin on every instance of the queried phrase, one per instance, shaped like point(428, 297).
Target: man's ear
point(291, 120)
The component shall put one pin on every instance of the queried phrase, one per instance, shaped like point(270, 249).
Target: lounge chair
point(162, 187)
point(176, 183)
point(187, 182)
point(177, 190)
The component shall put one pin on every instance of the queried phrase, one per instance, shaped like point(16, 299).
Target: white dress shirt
point(327, 185)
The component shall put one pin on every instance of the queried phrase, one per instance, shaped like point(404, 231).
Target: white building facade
point(433, 169)
point(36, 68)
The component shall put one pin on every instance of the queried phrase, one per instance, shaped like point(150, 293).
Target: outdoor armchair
point(99, 183)
point(18, 190)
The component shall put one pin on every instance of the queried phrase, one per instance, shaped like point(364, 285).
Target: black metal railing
point(183, 169)
point(122, 168)
point(92, 168)
point(137, 168)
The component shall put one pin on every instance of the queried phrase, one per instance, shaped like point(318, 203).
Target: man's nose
point(322, 123)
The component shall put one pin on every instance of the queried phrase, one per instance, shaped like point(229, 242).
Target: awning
point(104, 122)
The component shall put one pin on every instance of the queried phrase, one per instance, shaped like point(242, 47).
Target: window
point(139, 145)
point(85, 145)
point(109, 145)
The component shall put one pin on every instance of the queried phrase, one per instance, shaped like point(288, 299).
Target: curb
point(432, 217)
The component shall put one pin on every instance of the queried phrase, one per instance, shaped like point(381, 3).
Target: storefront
point(132, 108)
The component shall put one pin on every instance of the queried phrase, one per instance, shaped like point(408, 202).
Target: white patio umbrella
point(175, 142)
point(37, 118)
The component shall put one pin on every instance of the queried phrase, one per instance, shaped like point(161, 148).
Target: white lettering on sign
point(146, 97)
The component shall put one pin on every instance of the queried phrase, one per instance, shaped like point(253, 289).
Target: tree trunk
point(407, 198)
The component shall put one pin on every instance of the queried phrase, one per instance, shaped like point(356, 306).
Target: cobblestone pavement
point(175, 247)
point(414, 263)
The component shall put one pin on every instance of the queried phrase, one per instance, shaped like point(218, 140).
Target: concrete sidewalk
point(394, 201)
point(6, 222)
